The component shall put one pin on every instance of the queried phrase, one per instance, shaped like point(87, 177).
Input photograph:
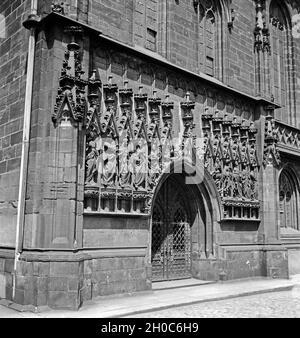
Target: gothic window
point(145, 18)
point(210, 43)
point(208, 38)
point(288, 201)
point(281, 58)
point(211, 38)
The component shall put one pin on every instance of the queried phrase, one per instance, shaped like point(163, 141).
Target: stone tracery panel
point(130, 142)
point(127, 148)
point(130, 145)
point(288, 137)
point(230, 157)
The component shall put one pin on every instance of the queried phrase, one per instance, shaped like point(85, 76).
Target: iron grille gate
point(171, 245)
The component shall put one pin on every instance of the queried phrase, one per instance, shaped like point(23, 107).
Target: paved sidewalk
point(108, 307)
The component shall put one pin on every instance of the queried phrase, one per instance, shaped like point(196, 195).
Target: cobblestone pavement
point(277, 304)
point(285, 304)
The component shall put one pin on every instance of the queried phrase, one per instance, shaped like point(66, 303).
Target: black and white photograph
point(149, 163)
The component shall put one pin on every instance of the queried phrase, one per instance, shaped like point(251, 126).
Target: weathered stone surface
point(63, 300)
point(64, 268)
point(41, 269)
point(9, 265)
point(57, 227)
point(293, 260)
point(58, 283)
point(13, 52)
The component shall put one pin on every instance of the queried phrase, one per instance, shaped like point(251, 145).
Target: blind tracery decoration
point(130, 140)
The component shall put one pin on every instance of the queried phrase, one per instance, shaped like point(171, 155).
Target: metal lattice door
point(158, 245)
point(179, 246)
point(171, 238)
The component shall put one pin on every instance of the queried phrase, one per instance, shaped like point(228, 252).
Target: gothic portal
point(181, 229)
point(171, 233)
point(99, 99)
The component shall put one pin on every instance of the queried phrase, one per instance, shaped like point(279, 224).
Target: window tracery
point(288, 201)
point(282, 55)
point(208, 38)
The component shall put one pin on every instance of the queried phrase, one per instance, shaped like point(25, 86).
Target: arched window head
point(281, 66)
point(208, 38)
point(288, 201)
point(213, 18)
point(210, 43)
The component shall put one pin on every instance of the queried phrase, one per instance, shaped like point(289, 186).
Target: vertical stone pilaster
point(269, 176)
point(68, 117)
point(64, 186)
point(275, 263)
point(54, 201)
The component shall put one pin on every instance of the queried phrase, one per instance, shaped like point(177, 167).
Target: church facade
point(146, 141)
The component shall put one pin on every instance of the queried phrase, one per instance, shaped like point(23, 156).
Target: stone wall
point(170, 28)
point(13, 54)
point(66, 281)
point(69, 256)
point(243, 262)
point(293, 261)
point(53, 202)
point(100, 231)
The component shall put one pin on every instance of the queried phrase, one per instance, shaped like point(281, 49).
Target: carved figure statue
point(91, 163)
point(236, 181)
point(154, 163)
point(125, 167)
point(244, 159)
point(108, 164)
point(217, 173)
point(140, 166)
point(227, 181)
point(252, 156)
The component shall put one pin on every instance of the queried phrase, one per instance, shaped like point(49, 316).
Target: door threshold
point(179, 283)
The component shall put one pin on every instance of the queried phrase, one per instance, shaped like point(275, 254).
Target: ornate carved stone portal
point(130, 144)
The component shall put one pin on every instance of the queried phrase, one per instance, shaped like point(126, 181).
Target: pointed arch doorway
point(172, 217)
